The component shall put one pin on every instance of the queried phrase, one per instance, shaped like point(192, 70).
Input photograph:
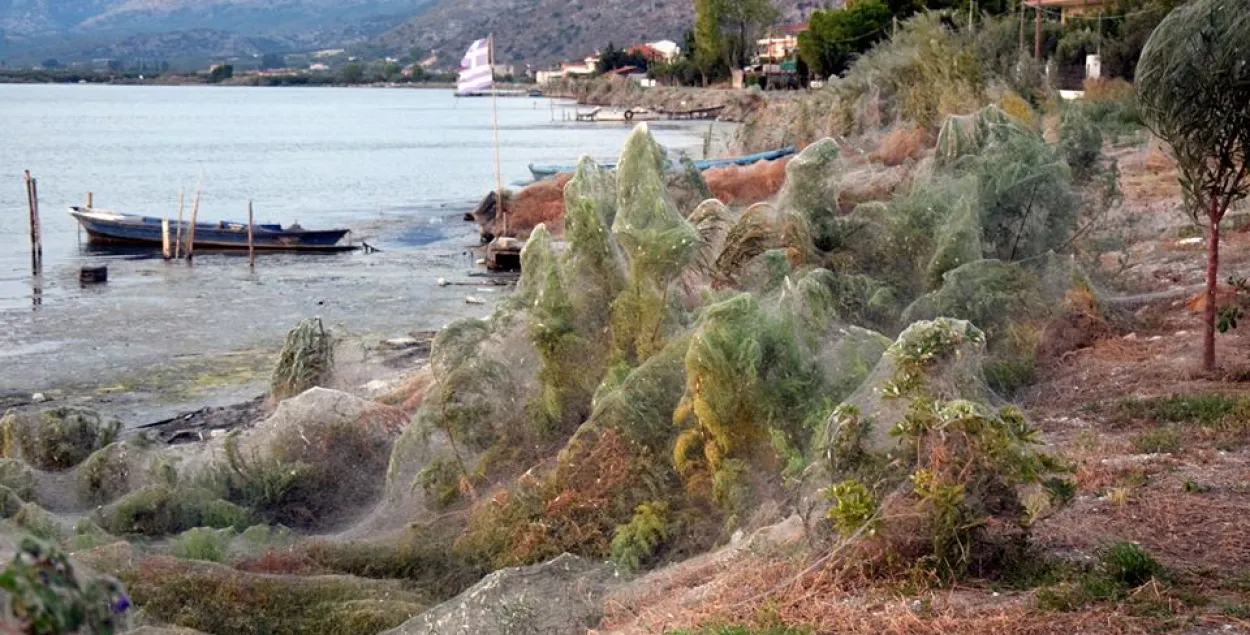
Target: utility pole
point(1021, 28)
point(1037, 35)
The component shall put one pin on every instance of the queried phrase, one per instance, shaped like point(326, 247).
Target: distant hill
point(545, 31)
point(80, 29)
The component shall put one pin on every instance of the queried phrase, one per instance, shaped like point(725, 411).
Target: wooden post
point(178, 232)
point(165, 238)
point(90, 200)
point(251, 247)
point(195, 211)
point(36, 241)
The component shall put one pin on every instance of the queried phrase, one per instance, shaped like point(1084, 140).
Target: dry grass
point(745, 185)
point(541, 202)
point(907, 141)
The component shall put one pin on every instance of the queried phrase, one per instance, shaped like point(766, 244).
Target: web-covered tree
point(1193, 82)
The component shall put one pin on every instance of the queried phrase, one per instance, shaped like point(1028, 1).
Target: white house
point(668, 48)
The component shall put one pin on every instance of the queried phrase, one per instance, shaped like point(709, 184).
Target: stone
point(562, 596)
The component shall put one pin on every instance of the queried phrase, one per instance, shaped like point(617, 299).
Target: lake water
point(398, 167)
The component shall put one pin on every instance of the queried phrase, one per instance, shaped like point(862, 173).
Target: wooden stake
point(36, 241)
point(165, 238)
point(195, 211)
point(178, 232)
point(251, 246)
point(1037, 35)
point(90, 200)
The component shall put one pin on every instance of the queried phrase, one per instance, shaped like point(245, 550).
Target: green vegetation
point(1199, 102)
point(636, 542)
point(203, 543)
point(1121, 568)
point(306, 360)
point(48, 597)
point(162, 510)
point(56, 439)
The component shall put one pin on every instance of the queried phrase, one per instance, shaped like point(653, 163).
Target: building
point(318, 67)
point(779, 44)
point(1075, 8)
point(667, 48)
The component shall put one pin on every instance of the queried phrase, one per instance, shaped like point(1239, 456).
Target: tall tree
point(834, 37)
point(1193, 83)
point(741, 23)
point(708, 39)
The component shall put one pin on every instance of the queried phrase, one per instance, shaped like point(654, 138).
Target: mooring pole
point(165, 239)
point(178, 229)
point(36, 242)
point(195, 212)
point(251, 246)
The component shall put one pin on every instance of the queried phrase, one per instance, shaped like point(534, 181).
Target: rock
point(442, 282)
point(38, 398)
point(18, 478)
point(469, 299)
point(56, 439)
point(560, 596)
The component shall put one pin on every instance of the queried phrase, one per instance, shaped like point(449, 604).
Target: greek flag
point(475, 71)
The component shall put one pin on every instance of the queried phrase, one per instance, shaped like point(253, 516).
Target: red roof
point(646, 51)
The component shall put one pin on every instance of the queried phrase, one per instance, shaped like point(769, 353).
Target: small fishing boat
point(542, 171)
point(104, 226)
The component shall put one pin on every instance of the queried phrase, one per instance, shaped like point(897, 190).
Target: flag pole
point(494, 123)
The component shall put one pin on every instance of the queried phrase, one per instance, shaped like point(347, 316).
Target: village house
point(1075, 8)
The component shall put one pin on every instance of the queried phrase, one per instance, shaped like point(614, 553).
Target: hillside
point(81, 29)
point(544, 31)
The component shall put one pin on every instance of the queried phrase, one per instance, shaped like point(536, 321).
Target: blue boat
point(108, 227)
point(543, 171)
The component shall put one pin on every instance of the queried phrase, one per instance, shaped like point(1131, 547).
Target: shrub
point(56, 439)
point(162, 510)
point(306, 360)
point(38, 522)
point(203, 543)
point(1163, 440)
point(635, 544)
point(1128, 565)
point(48, 597)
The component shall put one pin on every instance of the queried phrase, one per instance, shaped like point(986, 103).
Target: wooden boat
point(542, 171)
point(104, 226)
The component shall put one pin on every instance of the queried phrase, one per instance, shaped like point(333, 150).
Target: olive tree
point(1193, 81)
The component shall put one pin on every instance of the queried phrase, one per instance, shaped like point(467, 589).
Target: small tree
point(1193, 82)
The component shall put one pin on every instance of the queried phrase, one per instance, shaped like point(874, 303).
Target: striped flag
point(475, 71)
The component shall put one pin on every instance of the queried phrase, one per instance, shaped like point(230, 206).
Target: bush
point(306, 360)
point(635, 544)
point(48, 597)
point(56, 439)
point(163, 510)
point(1162, 440)
point(203, 543)
point(1128, 565)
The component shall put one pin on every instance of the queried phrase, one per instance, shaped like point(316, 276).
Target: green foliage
point(352, 73)
point(635, 544)
point(811, 190)
point(38, 522)
point(306, 360)
point(105, 475)
point(203, 543)
point(1121, 568)
point(56, 439)
point(854, 508)
point(709, 41)
point(217, 599)
point(835, 36)
point(162, 510)
point(440, 479)
point(745, 374)
point(220, 73)
point(612, 58)
point(1080, 143)
point(658, 241)
point(47, 597)
point(18, 478)
point(1160, 440)
point(1208, 410)
point(420, 554)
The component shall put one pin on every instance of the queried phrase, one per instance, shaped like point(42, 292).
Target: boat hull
point(543, 171)
point(117, 229)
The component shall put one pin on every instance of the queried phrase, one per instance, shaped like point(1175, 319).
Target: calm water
point(398, 167)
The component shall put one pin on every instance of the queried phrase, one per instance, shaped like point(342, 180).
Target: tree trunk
point(1213, 266)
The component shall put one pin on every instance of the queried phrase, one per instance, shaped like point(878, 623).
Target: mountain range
point(527, 31)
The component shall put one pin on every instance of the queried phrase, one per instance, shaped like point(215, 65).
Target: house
point(648, 52)
point(1075, 8)
point(779, 44)
point(667, 48)
point(318, 67)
